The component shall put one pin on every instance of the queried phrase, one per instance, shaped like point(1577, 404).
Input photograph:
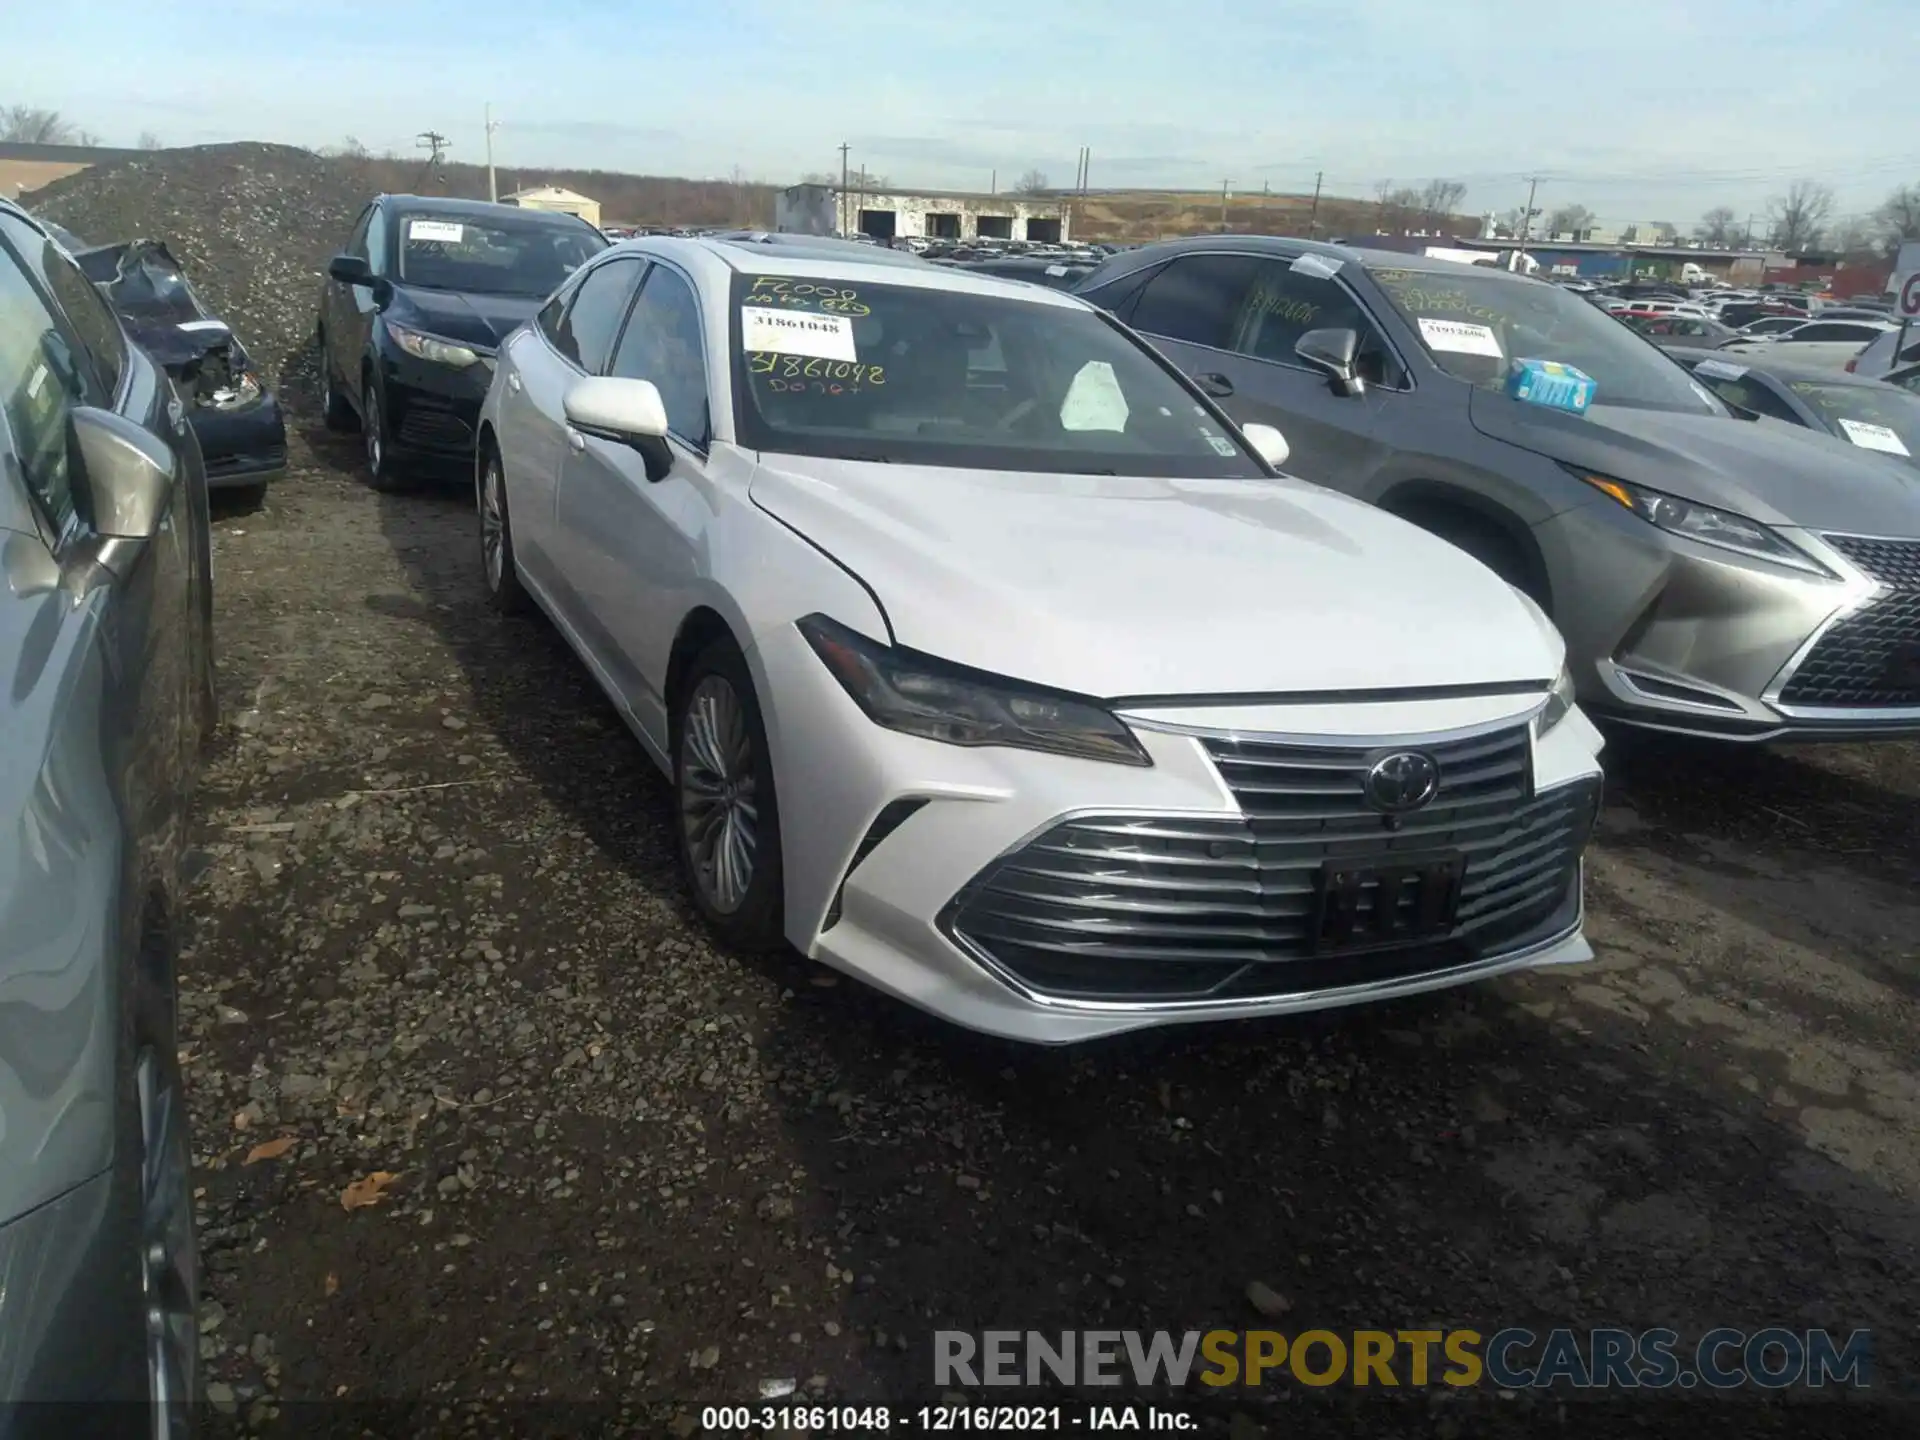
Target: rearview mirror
point(628, 412)
point(125, 478)
point(1268, 443)
point(1333, 351)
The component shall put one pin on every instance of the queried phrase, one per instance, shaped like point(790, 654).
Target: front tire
point(726, 812)
point(505, 594)
point(383, 466)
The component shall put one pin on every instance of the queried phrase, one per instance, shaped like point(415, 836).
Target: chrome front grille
point(1116, 907)
point(1871, 658)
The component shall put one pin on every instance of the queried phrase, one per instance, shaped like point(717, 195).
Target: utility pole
point(493, 189)
point(435, 144)
point(1313, 215)
point(1223, 205)
point(844, 147)
point(993, 182)
point(1526, 224)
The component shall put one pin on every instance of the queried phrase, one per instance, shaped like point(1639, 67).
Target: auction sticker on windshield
point(788, 332)
point(1874, 437)
point(446, 230)
point(1460, 336)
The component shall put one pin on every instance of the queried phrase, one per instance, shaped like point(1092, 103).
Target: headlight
point(428, 347)
point(918, 695)
point(1703, 523)
point(1559, 702)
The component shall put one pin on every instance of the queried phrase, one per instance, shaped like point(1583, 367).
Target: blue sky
point(1679, 105)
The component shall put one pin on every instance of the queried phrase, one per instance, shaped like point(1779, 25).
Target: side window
point(662, 343)
point(1196, 298)
point(1751, 395)
point(357, 241)
point(41, 381)
point(585, 331)
point(1285, 304)
point(376, 241)
point(1117, 296)
point(87, 312)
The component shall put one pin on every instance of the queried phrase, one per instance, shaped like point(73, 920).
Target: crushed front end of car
point(241, 430)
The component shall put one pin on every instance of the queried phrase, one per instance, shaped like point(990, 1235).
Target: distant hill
point(1163, 215)
point(624, 199)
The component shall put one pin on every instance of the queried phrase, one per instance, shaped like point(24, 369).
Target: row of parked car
point(1212, 637)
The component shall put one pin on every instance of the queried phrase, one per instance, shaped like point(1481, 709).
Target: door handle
point(576, 440)
point(513, 381)
point(1215, 384)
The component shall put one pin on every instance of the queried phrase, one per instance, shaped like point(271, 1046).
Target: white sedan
point(1826, 343)
point(991, 663)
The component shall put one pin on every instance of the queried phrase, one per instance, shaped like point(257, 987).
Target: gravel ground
point(443, 963)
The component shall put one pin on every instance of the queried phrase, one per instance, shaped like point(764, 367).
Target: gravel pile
point(252, 224)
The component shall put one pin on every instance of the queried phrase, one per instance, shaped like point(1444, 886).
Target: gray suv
point(106, 646)
point(1713, 575)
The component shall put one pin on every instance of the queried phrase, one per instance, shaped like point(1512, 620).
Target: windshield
point(1873, 417)
point(947, 377)
point(492, 257)
point(1476, 325)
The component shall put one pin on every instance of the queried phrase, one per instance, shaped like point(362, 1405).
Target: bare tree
point(1031, 183)
point(1574, 220)
point(1854, 237)
point(1799, 215)
point(1899, 216)
point(1399, 207)
point(348, 149)
point(1439, 200)
point(1716, 227)
point(1665, 231)
point(149, 141)
point(819, 177)
point(1630, 234)
point(30, 125)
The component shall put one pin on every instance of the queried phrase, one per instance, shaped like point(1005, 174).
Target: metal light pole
point(1526, 224)
point(493, 189)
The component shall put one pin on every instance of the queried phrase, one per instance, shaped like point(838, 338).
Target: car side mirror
point(1268, 443)
point(1335, 352)
point(125, 477)
point(354, 270)
point(627, 412)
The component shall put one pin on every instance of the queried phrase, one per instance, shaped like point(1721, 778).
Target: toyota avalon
point(990, 662)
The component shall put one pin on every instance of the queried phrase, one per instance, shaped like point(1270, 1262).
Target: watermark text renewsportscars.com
point(1771, 1358)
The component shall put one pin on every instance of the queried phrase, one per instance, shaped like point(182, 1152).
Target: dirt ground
point(440, 937)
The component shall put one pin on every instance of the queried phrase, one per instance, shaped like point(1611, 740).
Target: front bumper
point(71, 1325)
point(433, 411)
point(242, 447)
point(1669, 635)
point(899, 853)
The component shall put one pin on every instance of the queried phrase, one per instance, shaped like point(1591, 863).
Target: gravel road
point(443, 965)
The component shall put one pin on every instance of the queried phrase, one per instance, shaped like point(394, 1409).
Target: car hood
point(1775, 473)
point(483, 320)
point(1124, 587)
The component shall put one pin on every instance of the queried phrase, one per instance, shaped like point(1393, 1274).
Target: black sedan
point(1871, 414)
point(1055, 273)
point(414, 310)
point(234, 415)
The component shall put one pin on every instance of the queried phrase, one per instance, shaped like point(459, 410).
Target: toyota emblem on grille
point(1402, 781)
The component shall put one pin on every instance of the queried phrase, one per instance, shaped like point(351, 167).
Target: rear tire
point(336, 411)
point(505, 594)
point(726, 814)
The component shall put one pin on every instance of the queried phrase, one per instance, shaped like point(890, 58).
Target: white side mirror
point(1268, 443)
point(617, 408)
point(628, 412)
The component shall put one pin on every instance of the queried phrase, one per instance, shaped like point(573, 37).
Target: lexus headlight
point(1559, 702)
point(1703, 523)
point(429, 347)
point(237, 394)
point(918, 695)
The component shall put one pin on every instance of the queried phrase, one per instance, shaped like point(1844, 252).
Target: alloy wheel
point(169, 1263)
point(493, 523)
point(718, 806)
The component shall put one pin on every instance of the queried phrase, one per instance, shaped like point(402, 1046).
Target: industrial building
point(554, 198)
point(934, 214)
